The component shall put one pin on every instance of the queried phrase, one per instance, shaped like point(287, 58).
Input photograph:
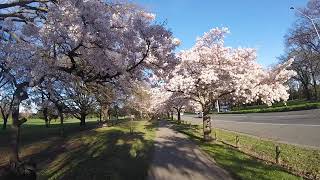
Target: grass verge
point(238, 163)
point(303, 161)
point(96, 153)
point(296, 106)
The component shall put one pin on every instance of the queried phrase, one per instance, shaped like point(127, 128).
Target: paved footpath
point(178, 158)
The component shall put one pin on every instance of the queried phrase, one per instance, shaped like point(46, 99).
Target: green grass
point(238, 163)
point(295, 105)
point(94, 153)
point(302, 160)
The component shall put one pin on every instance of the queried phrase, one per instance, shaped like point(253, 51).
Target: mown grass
point(95, 153)
point(278, 107)
point(304, 161)
point(238, 163)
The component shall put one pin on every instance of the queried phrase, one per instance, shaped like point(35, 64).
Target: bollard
point(237, 141)
point(278, 151)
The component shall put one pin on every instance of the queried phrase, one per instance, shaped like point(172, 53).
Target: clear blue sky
point(259, 24)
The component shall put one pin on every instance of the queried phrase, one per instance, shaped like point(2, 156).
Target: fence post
point(237, 141)
point(278, 151)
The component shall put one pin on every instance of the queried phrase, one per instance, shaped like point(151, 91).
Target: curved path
point(178, 158)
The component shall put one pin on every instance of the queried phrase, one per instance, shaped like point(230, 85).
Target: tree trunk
point(4, 126)
point(100, 115)
point(315, 87)
point(171, 115)
point(179, 115)
point(168, 115)
point(206, 122)
point(83, 119)
point(15, 131)
point(46, 118)
point(19, 95)
point(5, 121)
point(306, 91)
point(5, 117)
point(206, 127)
point(61, 123)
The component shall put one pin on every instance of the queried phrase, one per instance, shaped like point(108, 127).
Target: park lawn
point(95, 153)
point(238, 163)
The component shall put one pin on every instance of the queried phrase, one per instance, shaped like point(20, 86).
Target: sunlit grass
point(236, 162)
point(299, 159)
point(100, 153)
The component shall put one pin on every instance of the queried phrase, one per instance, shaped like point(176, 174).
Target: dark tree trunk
point(306, 91)
point(5, 121)
point(61, 122)
point(83, 119)
point(168, 115)
point(315, 87)
point(46, 118)
point(19, 95)
point(15, 130)
point(171, 115)
point(179, 115)
point(5, 116)
point(100, 115)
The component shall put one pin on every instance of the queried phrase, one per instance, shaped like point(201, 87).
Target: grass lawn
point(294, 105)
point(239, 164)
point(305, 161)
point(95, 153)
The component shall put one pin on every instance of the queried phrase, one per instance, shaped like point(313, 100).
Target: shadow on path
point(176, 157)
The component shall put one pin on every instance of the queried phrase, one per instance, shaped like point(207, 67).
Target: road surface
point(178, 158)
point(295, 127)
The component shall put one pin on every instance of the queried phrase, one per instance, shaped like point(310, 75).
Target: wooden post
point(278, 151)
point(237, 141)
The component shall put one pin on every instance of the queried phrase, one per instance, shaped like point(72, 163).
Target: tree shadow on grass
point(152, 125)
point(31, 133)
point(35, 138)
point(243, 165)
point(113, 154)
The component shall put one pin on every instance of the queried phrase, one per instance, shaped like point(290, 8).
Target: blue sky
point(259, 24)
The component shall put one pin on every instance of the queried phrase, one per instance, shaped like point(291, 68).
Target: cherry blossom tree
point(81, 101)
point(177, 102)
point(105, 95)
point(96, 41)
point(210, 70)
point(6, 98)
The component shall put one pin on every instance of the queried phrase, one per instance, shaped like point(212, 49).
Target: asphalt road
point(296, 127)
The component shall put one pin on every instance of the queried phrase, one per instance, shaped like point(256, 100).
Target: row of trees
point(303, 44)
point(210, 71)
point(78, 56)
point(74, 56)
